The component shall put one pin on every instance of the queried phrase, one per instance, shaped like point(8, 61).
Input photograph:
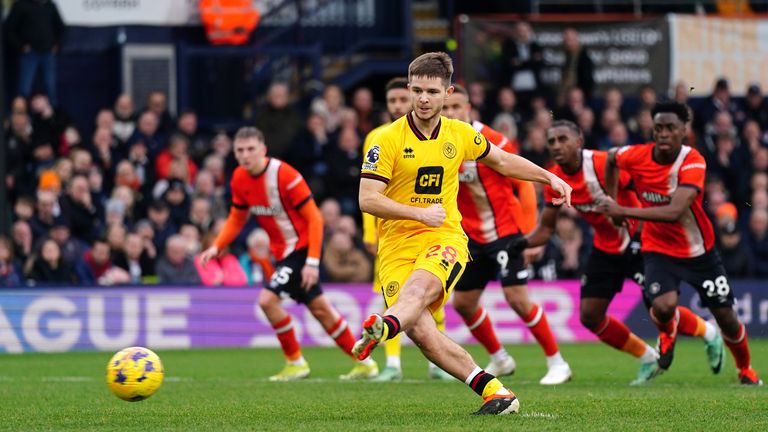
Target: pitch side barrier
point(627, 52)
point(182, 317)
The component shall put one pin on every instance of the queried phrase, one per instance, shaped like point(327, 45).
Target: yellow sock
point(439, 317)
point(392, 347)
point(492, 388)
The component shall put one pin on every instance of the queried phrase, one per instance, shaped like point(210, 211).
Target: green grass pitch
point(222, 390)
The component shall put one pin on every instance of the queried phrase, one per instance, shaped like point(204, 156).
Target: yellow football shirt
point(421, 171)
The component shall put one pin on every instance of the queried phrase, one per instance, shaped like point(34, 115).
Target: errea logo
point(408, 153)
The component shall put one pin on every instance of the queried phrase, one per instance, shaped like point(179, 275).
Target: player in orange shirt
point(615, 252)
point(278, 197)
point(493, 217)
point(678, 242)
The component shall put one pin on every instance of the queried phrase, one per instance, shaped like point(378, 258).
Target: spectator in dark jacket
point(157, 103)
point(19, 146)
point(187, 126)
point(176, 267)
point(95, 263)
point(48, 267)
point(135, 259)
point(578, 67)
point(521, 68)
point(80, 209)
point(343, 161)
point(737, 258)
point(35, 29)
point(758, 227)
point(147, 132)
point(159, 217)
point(307, 153)
point(23, 240)
point(279, 121)
point(47, 209)
point(71, 249)
point(50, 123)
point(719, 101)
point(754, 107)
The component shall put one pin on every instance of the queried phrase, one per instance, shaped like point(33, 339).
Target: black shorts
point(605, 273)
point(492, 261)
point(286, 280)
point(705, 273)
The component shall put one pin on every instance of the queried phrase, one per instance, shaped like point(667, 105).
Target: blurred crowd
point(137, 196)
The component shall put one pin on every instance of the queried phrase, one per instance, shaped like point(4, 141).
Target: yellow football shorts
point(445, 256)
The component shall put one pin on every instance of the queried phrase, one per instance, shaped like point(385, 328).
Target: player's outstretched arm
point(235, 222)
point(310, 273)
point(612, 174)
point(681, 201)
point(511, 165)
point(373, 201)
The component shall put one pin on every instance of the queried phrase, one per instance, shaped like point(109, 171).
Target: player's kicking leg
point(336, 327)
point(467, 304)
point(410, 313)
point(434, 371)
point(536, 319)
point(296, 367)
point(441, 350)
point(438, 348)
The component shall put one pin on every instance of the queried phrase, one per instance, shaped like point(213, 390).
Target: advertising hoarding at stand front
point(163, 317)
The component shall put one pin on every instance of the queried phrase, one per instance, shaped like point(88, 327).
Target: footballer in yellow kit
point(398, 104)
point(410, 181)
point(425, 175)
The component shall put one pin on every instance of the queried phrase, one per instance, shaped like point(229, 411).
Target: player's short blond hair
point(432, 65)
point(248, 133)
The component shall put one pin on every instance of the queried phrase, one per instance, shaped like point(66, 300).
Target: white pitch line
point(534, 414)
point(178, 379)
point(66, 378)
point(337, 380)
